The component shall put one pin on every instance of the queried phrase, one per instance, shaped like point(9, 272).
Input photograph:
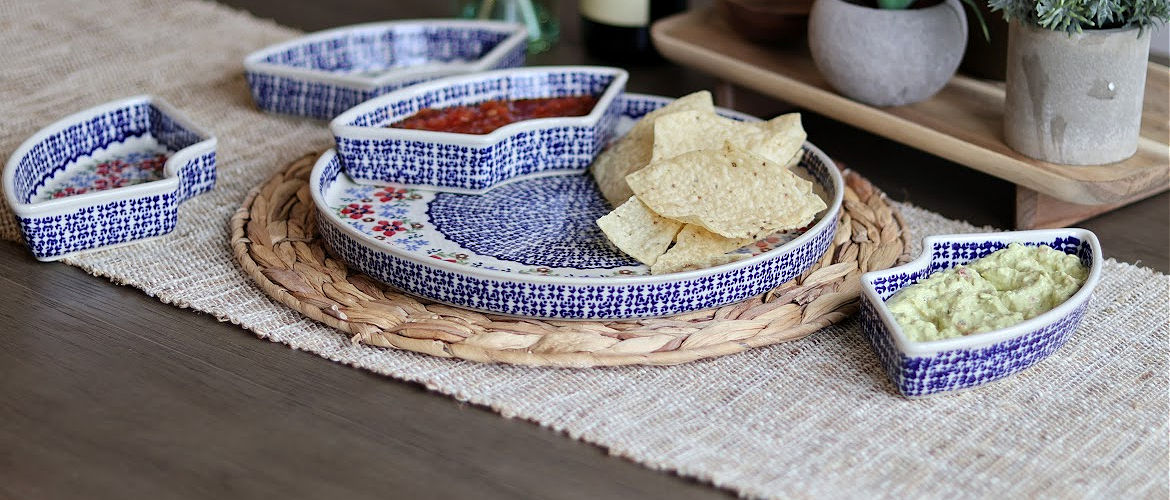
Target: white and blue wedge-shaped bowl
point(62, 185)
point(371, 152)
point(322, 74)
point(924, 368)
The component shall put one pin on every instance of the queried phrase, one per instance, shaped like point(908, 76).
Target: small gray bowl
point(887, 57)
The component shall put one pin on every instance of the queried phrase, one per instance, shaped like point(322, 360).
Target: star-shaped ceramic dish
point(322, 74)
point(108, 175)
point(371, 151)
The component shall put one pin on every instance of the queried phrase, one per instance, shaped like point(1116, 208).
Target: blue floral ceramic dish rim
point(885, 333)
point(46, 225)
point(368, 256)
point(371, 152)
point(341, 89)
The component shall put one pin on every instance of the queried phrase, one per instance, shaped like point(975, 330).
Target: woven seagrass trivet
point(275, 240)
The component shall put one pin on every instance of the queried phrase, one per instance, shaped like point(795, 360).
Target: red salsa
point(487, 116)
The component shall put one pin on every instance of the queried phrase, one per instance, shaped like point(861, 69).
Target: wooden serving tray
point(962, 123)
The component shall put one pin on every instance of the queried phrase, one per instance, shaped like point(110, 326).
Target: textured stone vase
point(1075, 99)
point(887, 57)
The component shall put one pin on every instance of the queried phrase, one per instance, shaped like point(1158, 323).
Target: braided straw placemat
point(274, 239)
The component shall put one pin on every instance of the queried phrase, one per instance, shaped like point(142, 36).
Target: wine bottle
point(619, 30)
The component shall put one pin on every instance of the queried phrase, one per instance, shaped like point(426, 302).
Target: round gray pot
point(887, 57)
point(1075, 99)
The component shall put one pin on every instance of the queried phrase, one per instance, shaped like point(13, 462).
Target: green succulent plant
point(906, 4)
point(1072, 16)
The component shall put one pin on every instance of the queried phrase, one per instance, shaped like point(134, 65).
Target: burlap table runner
point(812, 418)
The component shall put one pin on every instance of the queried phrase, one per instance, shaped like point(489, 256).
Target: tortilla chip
point(727, 191)
point(611, 166)
point(778, 140)
point(789, 136)
point(633, 151)
point(698, 101)
point(639, 232)
point(697, 248)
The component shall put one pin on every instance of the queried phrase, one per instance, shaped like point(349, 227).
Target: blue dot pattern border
point(116, 221)
point(368, 52)
point(964, 368)
point(570, 301)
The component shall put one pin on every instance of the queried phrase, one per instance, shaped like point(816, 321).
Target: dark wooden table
point(107, 393)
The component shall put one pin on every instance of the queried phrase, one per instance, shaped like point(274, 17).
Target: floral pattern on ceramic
point(134, 162)
point(461, 229)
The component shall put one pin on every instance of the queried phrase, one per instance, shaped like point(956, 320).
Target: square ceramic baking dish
point(372, 152)
point(322, 74)
point(922, 368)
point(107, 175)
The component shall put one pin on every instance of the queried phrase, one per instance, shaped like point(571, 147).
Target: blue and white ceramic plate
point(322, 74)
point(532, 248)
point(923, 368)
point(107, 175)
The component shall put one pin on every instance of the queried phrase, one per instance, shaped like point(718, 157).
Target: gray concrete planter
point(887, 57)
point(1075, 99)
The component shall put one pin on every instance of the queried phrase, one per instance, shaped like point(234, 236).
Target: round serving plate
point(276, 241)
point(532, 248)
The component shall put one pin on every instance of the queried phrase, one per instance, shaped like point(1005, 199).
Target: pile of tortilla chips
point(691, 186)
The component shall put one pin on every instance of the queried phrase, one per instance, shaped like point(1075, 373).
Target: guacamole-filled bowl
point(923, 368)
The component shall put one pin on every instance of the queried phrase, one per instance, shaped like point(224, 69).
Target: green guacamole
point(1004, 288)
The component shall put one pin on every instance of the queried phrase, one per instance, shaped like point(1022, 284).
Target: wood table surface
point(108, 393)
